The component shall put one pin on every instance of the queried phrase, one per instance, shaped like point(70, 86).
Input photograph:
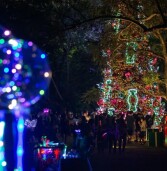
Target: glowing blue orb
point(24, 71)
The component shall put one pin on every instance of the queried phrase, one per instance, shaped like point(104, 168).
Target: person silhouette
point(122, 132)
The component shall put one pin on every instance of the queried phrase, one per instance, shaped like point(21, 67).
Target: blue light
point(19, 151)
point(2, 125)
point(6, 70)
point(20, 125)
point(10, 96)
point(2, 156)
point(19, 45)
point(16, 54)
point(4, 50)
point(12, 83)
point(14, 47)
point(19, 169)
point(43, 56)
point(2, 117)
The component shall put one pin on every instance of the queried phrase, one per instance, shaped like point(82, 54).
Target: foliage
point(91, 96)
point(70, 30)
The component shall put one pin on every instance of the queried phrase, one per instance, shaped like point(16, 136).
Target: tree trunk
point(164, 53)
point(165, 76)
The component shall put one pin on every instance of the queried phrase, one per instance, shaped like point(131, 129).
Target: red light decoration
point(57, 153)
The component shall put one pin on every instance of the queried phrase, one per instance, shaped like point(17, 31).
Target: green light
point(132, 100)
point(0, 61)
point(110, 111)
point(166, 140)
point(2, 41)
point(18, 89)
point(108, 81)
point(156, 110)
point(41, 92)
point(130, 58)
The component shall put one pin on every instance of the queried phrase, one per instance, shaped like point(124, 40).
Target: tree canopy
point(69, 32)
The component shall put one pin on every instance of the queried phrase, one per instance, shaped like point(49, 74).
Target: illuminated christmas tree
point(131, 77)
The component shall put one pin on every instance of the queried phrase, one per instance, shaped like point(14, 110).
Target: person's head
point(70, 115)
point(85, 113)
point(142, 119)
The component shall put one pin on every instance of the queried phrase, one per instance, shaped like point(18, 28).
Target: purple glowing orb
point(24, 71)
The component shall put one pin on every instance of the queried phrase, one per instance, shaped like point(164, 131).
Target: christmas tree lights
point(135, 78)
point(132, 100)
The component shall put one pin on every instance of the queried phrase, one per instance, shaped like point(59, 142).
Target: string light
point(2, 153)
point(132, 100)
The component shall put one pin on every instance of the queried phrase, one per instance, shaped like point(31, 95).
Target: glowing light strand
point(2, 154)
point(132, 100)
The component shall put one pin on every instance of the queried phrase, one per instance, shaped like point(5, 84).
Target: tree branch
point(160, 10)
point(163, 43)
point(109, 17)
point(106, 17)
point(150, 17)
point(57, 89)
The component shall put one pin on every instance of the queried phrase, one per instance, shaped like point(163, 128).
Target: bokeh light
point(24, 71)
point(23, 80)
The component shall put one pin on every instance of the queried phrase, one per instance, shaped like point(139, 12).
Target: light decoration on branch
point(30, 123)
point(116, 23)
point(132, 100)
point(107, 87)
point(111, 111)
point(135, 77)
point(130, 55)
point(141, 15)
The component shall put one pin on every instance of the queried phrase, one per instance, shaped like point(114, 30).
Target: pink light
point(7, 33)
point(13, 71)
point(30, 43)
point(17, 114)
point(8, 52)
point(109, 52)
point(46, 110)
point(5, 61)
point(127, 75)
point(22, 100)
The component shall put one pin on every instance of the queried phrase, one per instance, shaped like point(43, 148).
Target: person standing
point(130, 125)
point(137, 126)
point(121, 127)
point(111, 133)
point(143, 127)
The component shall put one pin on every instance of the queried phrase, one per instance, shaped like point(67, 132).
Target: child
point(143, 127)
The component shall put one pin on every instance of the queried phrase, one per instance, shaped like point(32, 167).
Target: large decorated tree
point(133, 75)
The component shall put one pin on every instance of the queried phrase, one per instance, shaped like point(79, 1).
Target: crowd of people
point(90, 131)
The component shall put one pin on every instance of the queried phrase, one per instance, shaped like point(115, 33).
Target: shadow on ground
point(136, 157)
